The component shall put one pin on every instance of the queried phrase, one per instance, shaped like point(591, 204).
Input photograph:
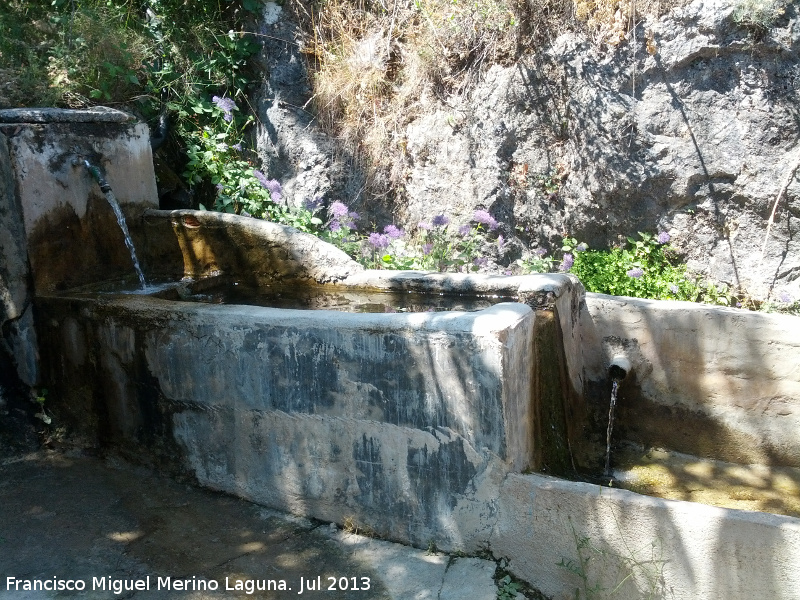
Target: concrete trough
point(392, 421)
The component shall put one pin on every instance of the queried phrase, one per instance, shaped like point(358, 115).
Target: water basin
point(228, 290)
point(677, 476)
point(322, 297)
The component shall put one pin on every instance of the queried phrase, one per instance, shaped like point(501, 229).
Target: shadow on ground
point(76, 517)
point(68, 516)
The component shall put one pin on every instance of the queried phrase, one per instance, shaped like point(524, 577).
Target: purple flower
point(541, 251)
point(582, 247)
point(786, 297)
point(500, 242)
point(480, 261)
point(440, 220)
point(220, 187)
point(566, 262)
point(378, 240)
point(635, 273)
point(275, 189)
point(237, 146)
point(272, 185)
point(334, 226)
point(337, 209)
point(423, 225)
point(464, 230)
point(262, 179)
point(427, 249)
point(484, 218)
point(392, 232)
point(226, 105)
point(674, 289)
point(663, 237)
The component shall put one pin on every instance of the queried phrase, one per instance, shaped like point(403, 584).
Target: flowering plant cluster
point(644, 268)
point(435, 245)
point(217, 155)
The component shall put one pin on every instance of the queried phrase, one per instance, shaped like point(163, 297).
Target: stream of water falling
point(614, 386)
point(112, 200)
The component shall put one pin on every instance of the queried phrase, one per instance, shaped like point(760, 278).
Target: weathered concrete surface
point(707, 381)
point(95, 114)
point(14, 293)
point(17, 336)
point(75, 517)
point(404, 422)
point(56, 229)
point(193, 243)
point(557, 379)
point(424, 575)
point(665, 548)
point(72, 235)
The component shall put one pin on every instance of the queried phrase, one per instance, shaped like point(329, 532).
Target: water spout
point(112, 201)
point(618, 369)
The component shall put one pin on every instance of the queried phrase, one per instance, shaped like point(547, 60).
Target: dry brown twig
point(781, 192)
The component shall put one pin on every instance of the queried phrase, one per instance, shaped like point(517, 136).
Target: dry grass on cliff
point(376, 62)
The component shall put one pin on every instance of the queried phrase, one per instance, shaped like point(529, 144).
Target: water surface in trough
point(224, 290)
point(683, 477)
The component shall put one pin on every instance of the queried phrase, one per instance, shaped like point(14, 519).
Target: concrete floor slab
point(68, 518)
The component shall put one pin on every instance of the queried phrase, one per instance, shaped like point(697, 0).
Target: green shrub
point(643, 268)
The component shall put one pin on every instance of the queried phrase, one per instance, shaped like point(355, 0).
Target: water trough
point(443, 426)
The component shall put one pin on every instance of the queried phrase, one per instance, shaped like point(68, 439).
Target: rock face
point(290, 144)
point(690, 126)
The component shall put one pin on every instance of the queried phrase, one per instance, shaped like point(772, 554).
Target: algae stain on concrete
point(552, 454)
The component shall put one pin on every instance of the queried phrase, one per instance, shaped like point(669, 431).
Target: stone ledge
point(96, 114)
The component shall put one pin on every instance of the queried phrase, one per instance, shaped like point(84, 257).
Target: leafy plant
point(435, 246)
point(784, 304)
point(40, 399)
point(507, 589)
point(644, 268)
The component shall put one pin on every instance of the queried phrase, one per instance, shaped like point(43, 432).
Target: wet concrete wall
point(72, 234)
point(708, 381)
point(56, 229)
point(197, 244)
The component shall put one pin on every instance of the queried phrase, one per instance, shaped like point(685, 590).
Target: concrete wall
point(411, 425)
point(197, 244)
point(17, 336)
point(709, 381)
point(56, 229)
point(404, 422)
point(552, 530)
point(71, 233)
